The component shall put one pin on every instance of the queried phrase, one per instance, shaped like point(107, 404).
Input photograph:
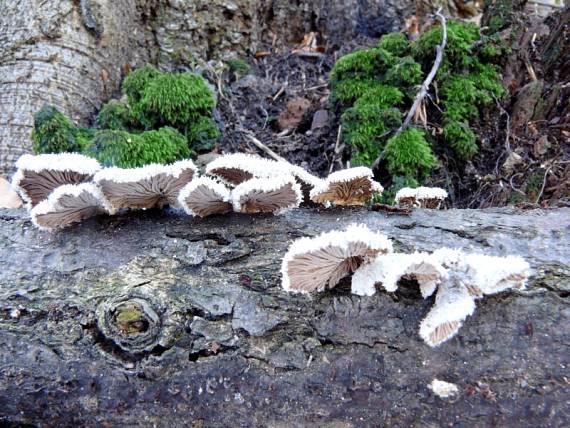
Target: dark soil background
point(524, 140)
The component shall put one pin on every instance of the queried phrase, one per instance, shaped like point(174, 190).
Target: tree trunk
point(155, 319)
point(73, 53)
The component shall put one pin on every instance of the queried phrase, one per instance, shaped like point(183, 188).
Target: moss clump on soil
point(55, 133)
point(126, 150)
point(162, 118)
point(373, 88)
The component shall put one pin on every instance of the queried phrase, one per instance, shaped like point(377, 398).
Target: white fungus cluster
point(241, 183)
point(424, 197)
point(456, 278)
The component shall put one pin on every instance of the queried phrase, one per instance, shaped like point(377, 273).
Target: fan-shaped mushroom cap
point(448, 257)
point(307, 180)
point(145, 187)
point(68, 204)
point(353, 186)
point(388, 269)
point(267, 195)
point(313, 263)
point(453, 304)
point(406, 197)
point(236, 168)
point(430, 197)
point(37, 176)
point(490, 275)
point(203, 197)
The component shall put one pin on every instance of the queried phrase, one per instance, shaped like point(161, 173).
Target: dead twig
point(336, 148)
point(249, 136)
point(427, 82)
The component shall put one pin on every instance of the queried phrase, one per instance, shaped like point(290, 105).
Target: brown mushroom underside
point(234, 176)
point(355, 192)
point(38, 185)
point(259, 201)
point(205, 202)
point(71, 209)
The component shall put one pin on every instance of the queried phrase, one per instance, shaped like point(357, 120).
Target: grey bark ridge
point(156, 318)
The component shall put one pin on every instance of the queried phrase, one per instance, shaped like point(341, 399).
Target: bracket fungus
point(69, 203)
point(313, 263)
point(306, 180)
point(388, 269)
point(37, 176)
point(267, 195)
point(423, 197)
point(204, 196)
point(453, 303)
point(353, 186)
point(145, 187)
point(236, 168)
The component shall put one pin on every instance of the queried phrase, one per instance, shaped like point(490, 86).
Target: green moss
point(395, 43)
point(125, 150)
point(405, 73)
point(116, 115)
point(53, 132)
point(346, 92)
point(382, 96)
point(238, 66)
point(367, 63)
point(365, 128)
point(203, 134)
point(457, 53)
point(136, 82)
point(175, 100)
point(409, 154)
point(398, 182)
point(461, 138)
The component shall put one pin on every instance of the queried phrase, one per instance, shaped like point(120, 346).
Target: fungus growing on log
point(204, 196)
point(490, 275)
point(145, 187)
point(236, 168)
point(37, 176)
point(69, 203)
point(423, 197)
point(307, 180)
point(267, 195)
point(353, 186)
point(430, 197)
point(312, 264)
point(453, 303)
point(388, 269)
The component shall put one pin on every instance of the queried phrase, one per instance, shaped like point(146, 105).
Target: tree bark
point(157, 319)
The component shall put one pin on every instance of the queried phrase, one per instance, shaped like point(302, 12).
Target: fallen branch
point(427, 82)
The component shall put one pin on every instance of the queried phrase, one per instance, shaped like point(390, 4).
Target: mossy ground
point(163, 117)
point(373, 88)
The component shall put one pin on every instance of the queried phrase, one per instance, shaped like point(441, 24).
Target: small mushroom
point(353, 186)
point(307, 180)
point(313, 263)
point(69, 203)
point(145, 187)
point(430, 197)
point(423, 197)
point(491, 275)
point(267, 195)
point(388, 269)
point(37, 176)
point(406, 198)
point(236, 168)
point(453, 303)
point(204, 196)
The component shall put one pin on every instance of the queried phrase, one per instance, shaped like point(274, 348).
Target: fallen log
point(154, 318)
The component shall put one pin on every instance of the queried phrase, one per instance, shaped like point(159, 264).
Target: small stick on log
point(262, 146)
point(427, 82)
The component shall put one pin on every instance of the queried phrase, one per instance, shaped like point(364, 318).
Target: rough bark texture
point(156, 319)
point(73, 53)
point(66, 53)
